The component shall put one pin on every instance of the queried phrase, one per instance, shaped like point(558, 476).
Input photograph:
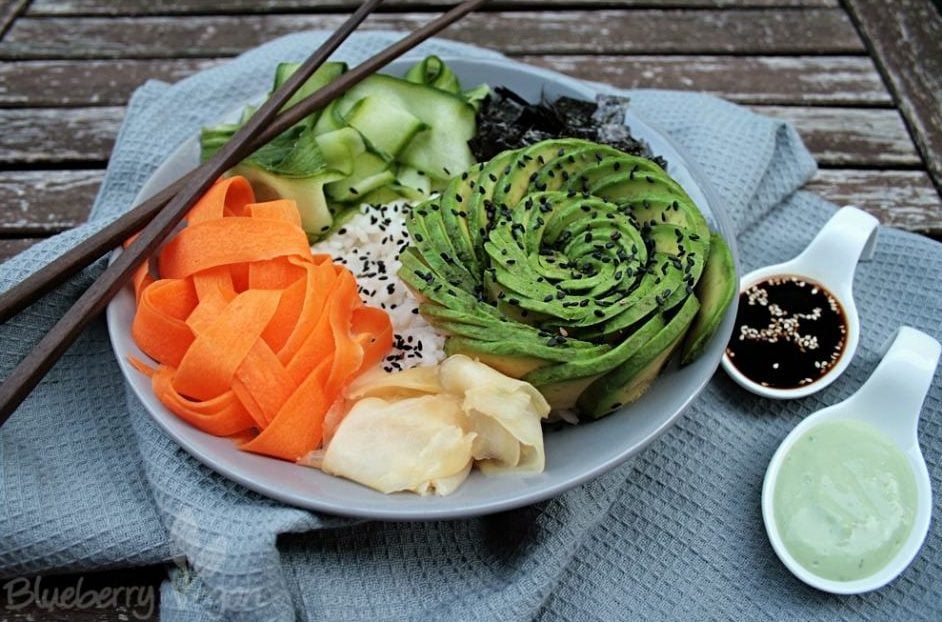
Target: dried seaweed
point(507, 121)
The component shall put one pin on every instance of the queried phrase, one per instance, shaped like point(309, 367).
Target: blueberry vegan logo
point(18, 594)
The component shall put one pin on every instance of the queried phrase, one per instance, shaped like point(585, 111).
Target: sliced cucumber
point(340, 149)
point(441, 151)
point(327, 73)
point(369, 173)
point(384, 125)
point(432, 71)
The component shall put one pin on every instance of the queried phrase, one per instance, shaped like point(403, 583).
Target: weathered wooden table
point(860, 79)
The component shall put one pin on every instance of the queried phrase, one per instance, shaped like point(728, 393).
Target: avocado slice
point(631, 379)
point(513, 186)
point(557, 173)
point(584, 366)
point(716, 290)
point(509, 353)
point(565, 393)
point(454, 202)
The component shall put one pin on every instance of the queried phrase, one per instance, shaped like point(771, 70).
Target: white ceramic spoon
point(890, 401)
point(830, 260)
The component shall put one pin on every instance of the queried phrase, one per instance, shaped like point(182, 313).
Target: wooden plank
point(827, 80)
point(9, 11)
point(185, 7)
point(906, 38)
point(831, 80)
point(56, 136)
point(778, 31)
point(87, 83)
point(50, 201)
point(903, 199)
point(849, 137)
point(836, 136)
point(41, 203)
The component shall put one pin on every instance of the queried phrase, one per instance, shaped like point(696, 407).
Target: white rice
point(369, 245)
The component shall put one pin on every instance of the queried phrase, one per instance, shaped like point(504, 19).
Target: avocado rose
point(570, 265)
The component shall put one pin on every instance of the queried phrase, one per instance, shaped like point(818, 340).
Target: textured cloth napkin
point(88, 480)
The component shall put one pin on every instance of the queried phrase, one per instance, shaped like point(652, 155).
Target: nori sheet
point(507, 121)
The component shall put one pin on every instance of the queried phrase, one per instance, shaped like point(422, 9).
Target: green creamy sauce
point(845, 500)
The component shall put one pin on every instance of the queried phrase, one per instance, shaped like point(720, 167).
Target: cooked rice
point(369, 245)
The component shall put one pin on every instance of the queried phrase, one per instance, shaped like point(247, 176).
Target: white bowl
point(573, 455)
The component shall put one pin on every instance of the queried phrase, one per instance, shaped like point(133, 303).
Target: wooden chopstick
point(261, 128)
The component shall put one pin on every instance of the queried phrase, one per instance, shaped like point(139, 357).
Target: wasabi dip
point(845, 500)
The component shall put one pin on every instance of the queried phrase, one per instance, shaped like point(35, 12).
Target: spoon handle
point(892, 397)
point(832, 256)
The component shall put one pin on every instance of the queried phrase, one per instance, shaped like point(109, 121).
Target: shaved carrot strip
point(262, 383)
point(159, 327)
point(223, 415)
point(276, 210)
point(227, 197)
point(212, 243)
point(254, 337)
point(294, 432)
point(212, 360)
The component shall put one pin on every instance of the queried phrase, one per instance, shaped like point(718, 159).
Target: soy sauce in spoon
point(790, 331)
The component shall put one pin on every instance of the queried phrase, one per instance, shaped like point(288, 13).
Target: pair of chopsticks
point(157, 217)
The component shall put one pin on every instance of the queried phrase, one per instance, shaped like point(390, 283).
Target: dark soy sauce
point(789, 332)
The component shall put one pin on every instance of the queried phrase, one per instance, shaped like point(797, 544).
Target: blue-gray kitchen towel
point(88, 481)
